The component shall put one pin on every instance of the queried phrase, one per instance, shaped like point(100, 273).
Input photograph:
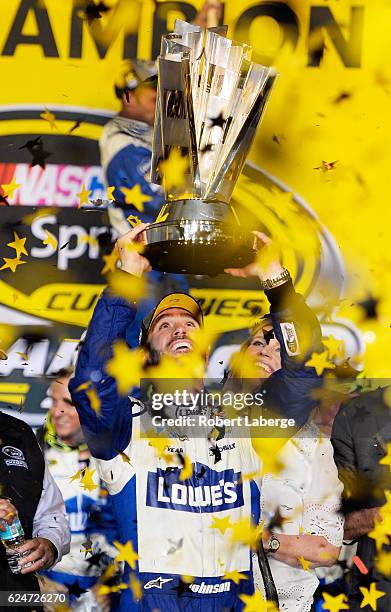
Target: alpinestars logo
point(157, 583)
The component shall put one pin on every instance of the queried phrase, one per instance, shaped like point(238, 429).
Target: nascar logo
point(224, 491)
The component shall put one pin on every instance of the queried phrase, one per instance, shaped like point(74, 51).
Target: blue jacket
point(169, 521)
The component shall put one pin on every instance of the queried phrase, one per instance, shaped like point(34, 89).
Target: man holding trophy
point(176, 503)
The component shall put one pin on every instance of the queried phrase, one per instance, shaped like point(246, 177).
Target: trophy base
point(197, 237)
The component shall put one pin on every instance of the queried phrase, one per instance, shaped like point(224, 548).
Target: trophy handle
point(212, 18)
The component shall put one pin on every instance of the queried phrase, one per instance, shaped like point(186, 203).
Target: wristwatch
point(270, 283)
point(273, 544)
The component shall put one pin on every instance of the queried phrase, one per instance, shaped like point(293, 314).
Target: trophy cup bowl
point(210, 100)
point(198, 237)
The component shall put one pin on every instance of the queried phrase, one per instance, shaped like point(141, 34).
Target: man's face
point(63, 413)
point(140, 104)
point(171, 332)
point(267, 355)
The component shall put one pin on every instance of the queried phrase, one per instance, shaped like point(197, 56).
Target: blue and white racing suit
point(126, 151)
point(168, 520)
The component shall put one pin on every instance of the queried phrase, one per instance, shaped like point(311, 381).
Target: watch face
point(274, 544)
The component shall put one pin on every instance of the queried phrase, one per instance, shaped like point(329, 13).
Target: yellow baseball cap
point(172, 300)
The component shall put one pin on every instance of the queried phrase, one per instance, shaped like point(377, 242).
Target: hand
point(40, 554)
point(131, 261)
point(8, 512)
point(204, 14)
point(272, 269)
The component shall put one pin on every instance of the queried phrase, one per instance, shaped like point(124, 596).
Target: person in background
point(304, 528)
point(29, 491)
point(87, 504)
point(126, 140)
point(361, 436)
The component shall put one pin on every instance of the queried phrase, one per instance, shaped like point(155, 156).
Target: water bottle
point(12, 537)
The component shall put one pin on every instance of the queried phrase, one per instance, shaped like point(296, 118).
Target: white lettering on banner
point(73, 249)
point(64, 357)
point(36, 358)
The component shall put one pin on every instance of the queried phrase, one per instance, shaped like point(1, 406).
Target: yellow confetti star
point(50, 240)
point(136, 587)
point(380, 533)
point(256, 603)
point(87, 482)
point(133, 220)
point(126, 366)
point(173, 170)
point(76, 476)
point(187, 470)
point(135, 197)
point(246, 532)
point(124, 456)
point(110, 261)
point(235, 576)
point(222, 524)
point(387, 459)
point(10, 188)
point(335, 347)
point(19, 245)
point(132, 288)
point(12, 264)
point(110, 192)
point(335, 604)
point(383, 563)
point(94, 400)
point(370, 596)
point(160, 444)
point(24, 356)
point(306, 565)
point(320, 362)
point(83, 195)
point(49, 117)
point(126, 553)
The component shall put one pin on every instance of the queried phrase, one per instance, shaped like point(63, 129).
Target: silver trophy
point(210, 100)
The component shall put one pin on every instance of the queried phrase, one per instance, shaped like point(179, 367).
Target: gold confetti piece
point(110, 261)
point(110, 192)
point(320, 362)
point(306, 565)
point(135, 197)
point(387, 459)
point(76, 476)
point(94, 400)
point(10, 188)
point(222, 524)
point(83, 195)
point(370, 596)
point(129, 287)
point(50, 240)
point(49, 117)
point(19, 245)
point(235, 576)
point(126, 366)
point(133, 220)
point(335, 347)
point(335, 604)
point(126, 553)
point(123, 456)
point(12, 264)
point(173, 170)
point(256, 603)
point(187, 470)
point(87, 482)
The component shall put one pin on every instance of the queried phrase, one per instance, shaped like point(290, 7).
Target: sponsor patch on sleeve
point(290, 338)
